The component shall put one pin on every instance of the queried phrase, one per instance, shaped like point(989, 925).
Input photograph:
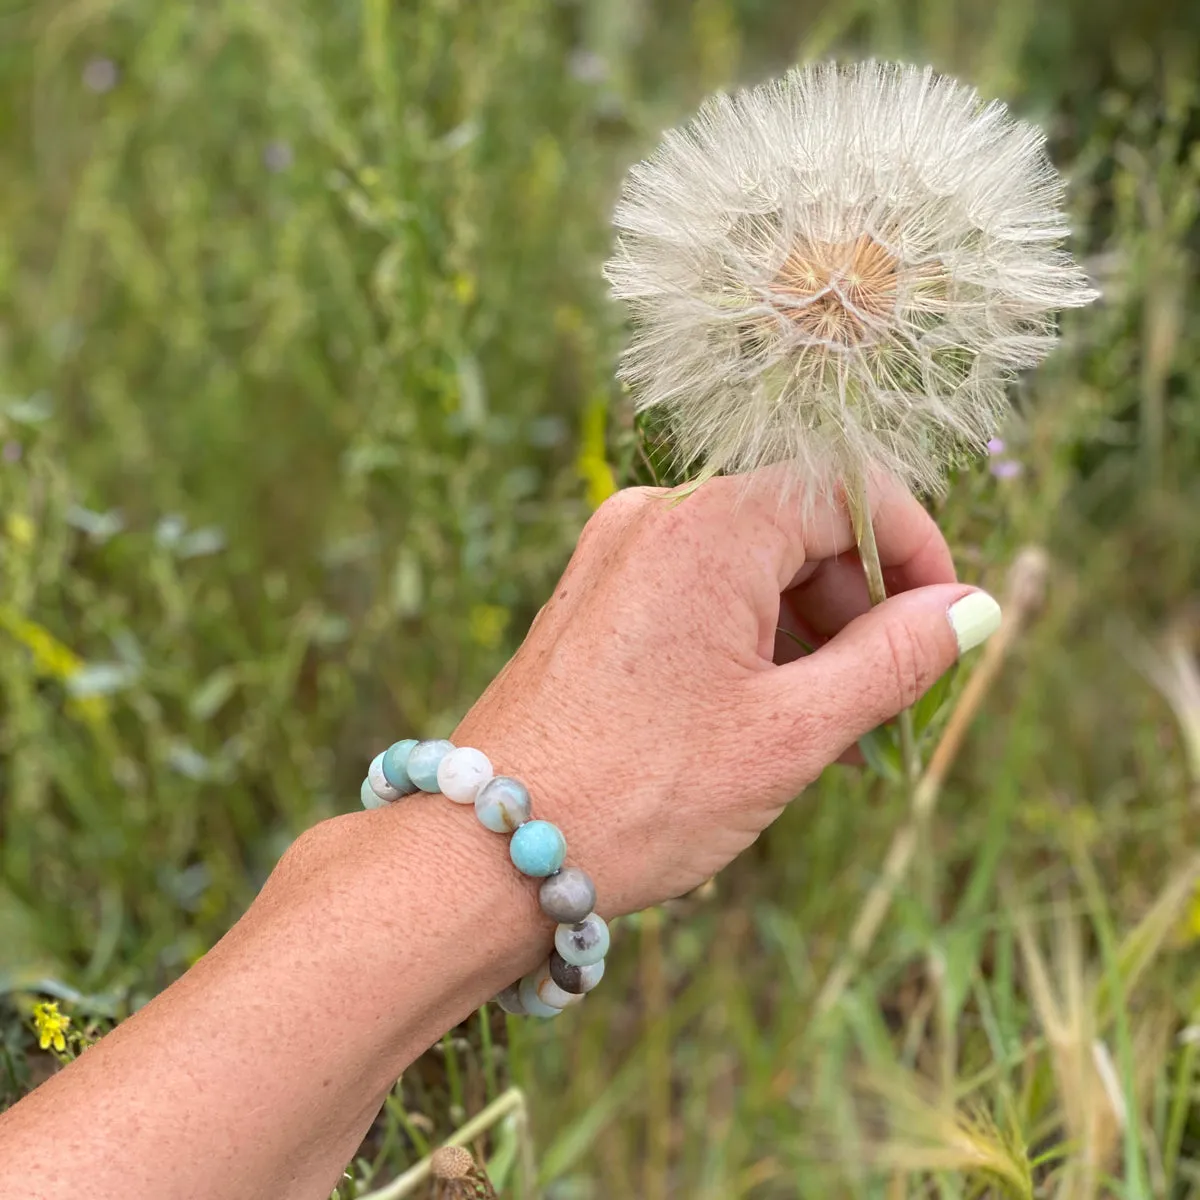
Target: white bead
point(378, 782)
point(548, 992)
point(462, 773)
point(366, 793)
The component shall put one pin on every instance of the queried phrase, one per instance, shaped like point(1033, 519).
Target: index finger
point(799, 529)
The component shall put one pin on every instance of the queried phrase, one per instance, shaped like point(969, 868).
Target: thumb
point(881, 663)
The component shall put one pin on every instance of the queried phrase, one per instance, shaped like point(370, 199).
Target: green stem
point(868, 552)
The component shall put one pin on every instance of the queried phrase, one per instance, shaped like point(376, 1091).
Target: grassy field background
point(305, 392)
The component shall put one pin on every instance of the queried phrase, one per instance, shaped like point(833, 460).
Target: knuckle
point(617, 511)
point(626, 503)
point(906, 660)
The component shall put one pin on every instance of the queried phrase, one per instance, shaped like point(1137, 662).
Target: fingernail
point(974, 619)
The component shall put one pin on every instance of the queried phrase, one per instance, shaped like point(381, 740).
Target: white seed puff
point(841, 270)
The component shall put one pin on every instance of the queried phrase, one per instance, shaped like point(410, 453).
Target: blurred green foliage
point(305, 382)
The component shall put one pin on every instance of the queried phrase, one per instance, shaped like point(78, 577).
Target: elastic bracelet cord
point(537, 849)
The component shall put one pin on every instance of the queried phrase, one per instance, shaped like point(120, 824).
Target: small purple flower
point(100, 75)
point(12, 452)
point(995, 446)
point(588, 67)
point(277, 156)
point(1007, 468)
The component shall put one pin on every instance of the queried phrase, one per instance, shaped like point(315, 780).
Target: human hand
point(654, 710)
point(656, 718)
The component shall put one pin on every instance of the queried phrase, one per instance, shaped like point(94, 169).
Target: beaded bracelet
point(537, 849)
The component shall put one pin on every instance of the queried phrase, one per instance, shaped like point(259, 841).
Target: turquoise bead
point(538, 848)
point(423, 763)
point(502, 804)
point(531, 1002)
point(368, 797)
point(395, 765)
point(584, 943)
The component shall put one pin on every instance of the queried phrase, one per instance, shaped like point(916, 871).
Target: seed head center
point(837, 291)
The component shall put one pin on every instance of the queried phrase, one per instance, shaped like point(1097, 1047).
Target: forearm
point(260, 1070)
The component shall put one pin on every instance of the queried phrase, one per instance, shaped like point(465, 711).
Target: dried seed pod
point(458, 1176)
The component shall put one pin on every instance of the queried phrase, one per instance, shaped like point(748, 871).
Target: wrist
point(428, 916)
point(542, 759)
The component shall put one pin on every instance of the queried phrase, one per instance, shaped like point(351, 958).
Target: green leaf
point(881, 749)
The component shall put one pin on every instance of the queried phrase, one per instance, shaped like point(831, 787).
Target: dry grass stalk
point(1025, 586)
point(449, 1158)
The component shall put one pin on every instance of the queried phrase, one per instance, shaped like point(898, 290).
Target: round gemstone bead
point(502, 805)
point(462, 773)
point(548, 992)
point(379, 783)
point(395, 765)
point(572, 979)
point(423, 763)
point(510, 1000)
point(568, 896)
point(532, 1002)
point(369, 797)
point(537, 848)
point(584, 943)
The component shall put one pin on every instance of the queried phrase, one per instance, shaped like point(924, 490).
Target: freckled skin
point(652, 719)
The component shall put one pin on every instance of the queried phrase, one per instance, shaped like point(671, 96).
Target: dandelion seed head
point(843, 270)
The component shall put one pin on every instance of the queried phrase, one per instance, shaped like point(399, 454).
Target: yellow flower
point(20, 529)
point(486, 623)
point(52, 658)
point(464, 289)
point(592, 463)
point(51, 1025)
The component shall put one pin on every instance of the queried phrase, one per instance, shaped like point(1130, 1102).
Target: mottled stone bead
point(423, 763)
point(583, 943)
point(368, 796)
point(568, 896)
point(378, 782)
point(533, 1004)
point(395, 765)
point(510, 1000)
point(548, 991)
point(573, 980)
point(462, 773)
point(537, 848)
point(502, 805)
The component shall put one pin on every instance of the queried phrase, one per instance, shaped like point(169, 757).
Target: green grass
point(306, 358)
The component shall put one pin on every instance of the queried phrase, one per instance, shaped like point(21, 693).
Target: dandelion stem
point(868, 552)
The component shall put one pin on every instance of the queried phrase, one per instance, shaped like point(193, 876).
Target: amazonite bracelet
point(537, 849)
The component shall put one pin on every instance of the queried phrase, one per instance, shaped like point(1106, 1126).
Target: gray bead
point(510, 1000)
point(573, 979)
point(568, 897)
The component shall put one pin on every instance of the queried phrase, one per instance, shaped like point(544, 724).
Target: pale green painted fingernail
point(974, 619)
